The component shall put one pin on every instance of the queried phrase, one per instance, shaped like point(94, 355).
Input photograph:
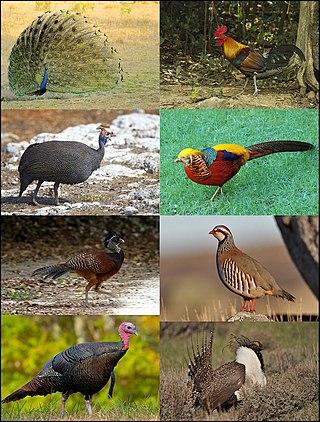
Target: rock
point(248, 316)
point(130, 210)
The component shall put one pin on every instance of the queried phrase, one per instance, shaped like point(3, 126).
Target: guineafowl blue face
point(105, 136)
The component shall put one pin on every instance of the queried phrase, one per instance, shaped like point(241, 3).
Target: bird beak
point(178, 160)
point(121, 240)
point(212, 232)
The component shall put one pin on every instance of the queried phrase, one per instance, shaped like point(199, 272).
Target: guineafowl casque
point(62, 52)
point(67, 162)
point(83, 368)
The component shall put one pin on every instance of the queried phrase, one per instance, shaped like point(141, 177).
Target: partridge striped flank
point(241, 273)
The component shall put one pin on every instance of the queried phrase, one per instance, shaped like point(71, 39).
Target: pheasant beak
point(212, 232)
point(184, 160)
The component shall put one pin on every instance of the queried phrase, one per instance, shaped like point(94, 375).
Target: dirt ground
point(97, 198)
point(188, 83)
point(29, 243)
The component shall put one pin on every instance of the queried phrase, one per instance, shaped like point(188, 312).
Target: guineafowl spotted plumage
point(62, 52)
point(83, 368)
point(95, 267)
point(67, 162)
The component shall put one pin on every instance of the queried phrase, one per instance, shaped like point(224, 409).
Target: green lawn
point(279, 184)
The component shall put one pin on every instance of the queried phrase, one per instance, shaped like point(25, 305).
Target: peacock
point(62, 52)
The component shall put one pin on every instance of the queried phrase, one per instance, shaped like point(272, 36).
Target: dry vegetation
point(291, 366)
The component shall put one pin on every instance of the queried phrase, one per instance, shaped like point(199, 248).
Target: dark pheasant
point(220, 388)
point(252, 63)
point(67, 162)
point(83, 368)
point(95, 267)
point(62, 52)
point(216, 165)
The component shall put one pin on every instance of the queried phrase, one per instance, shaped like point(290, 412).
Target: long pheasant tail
point(266, 148)
point(53, 271)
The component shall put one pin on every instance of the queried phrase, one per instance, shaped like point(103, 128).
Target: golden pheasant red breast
point(215, 165)
point(241, 273)
point(95, 267)
point(252, 63)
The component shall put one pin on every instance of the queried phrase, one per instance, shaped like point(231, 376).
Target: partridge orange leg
point(246, 301)
point(216, 193)
point(253, 302)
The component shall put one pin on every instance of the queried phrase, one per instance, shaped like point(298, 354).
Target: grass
point(279, 184)
point(291, 367)
point(49, 412)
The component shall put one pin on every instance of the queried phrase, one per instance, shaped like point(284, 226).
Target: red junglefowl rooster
point(216, 165)
point(254, 64)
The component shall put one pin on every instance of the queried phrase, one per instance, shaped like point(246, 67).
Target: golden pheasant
point(215, 165)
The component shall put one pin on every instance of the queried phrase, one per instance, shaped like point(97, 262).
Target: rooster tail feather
point(280, 56)
point(266, 148)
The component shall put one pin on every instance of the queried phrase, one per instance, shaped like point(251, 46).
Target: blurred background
point(190, 286)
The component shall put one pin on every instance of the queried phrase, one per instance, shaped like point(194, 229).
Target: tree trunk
point(301, 238)
point(308, 42)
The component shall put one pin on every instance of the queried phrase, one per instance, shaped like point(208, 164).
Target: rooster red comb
point(221, 30)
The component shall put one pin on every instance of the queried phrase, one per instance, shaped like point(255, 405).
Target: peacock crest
point(62, 52)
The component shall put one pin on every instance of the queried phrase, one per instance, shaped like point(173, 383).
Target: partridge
point(241, 273)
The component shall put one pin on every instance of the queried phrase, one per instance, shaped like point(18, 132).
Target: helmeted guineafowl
point(83, 368)
point(67, 162)
point(62, 52)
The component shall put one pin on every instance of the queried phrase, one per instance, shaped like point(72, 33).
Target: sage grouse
point(221, 388)
point(62, 52)
point(242, 274)
point(83, 368)
point(67, 162)
point(95, 267)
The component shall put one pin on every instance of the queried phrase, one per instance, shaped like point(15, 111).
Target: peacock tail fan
point(63, 52)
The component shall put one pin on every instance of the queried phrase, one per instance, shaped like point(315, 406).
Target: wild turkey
point(95, 267)
point(62, 52)
point(83, 368)
point(68, 162)
point(219, 388)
